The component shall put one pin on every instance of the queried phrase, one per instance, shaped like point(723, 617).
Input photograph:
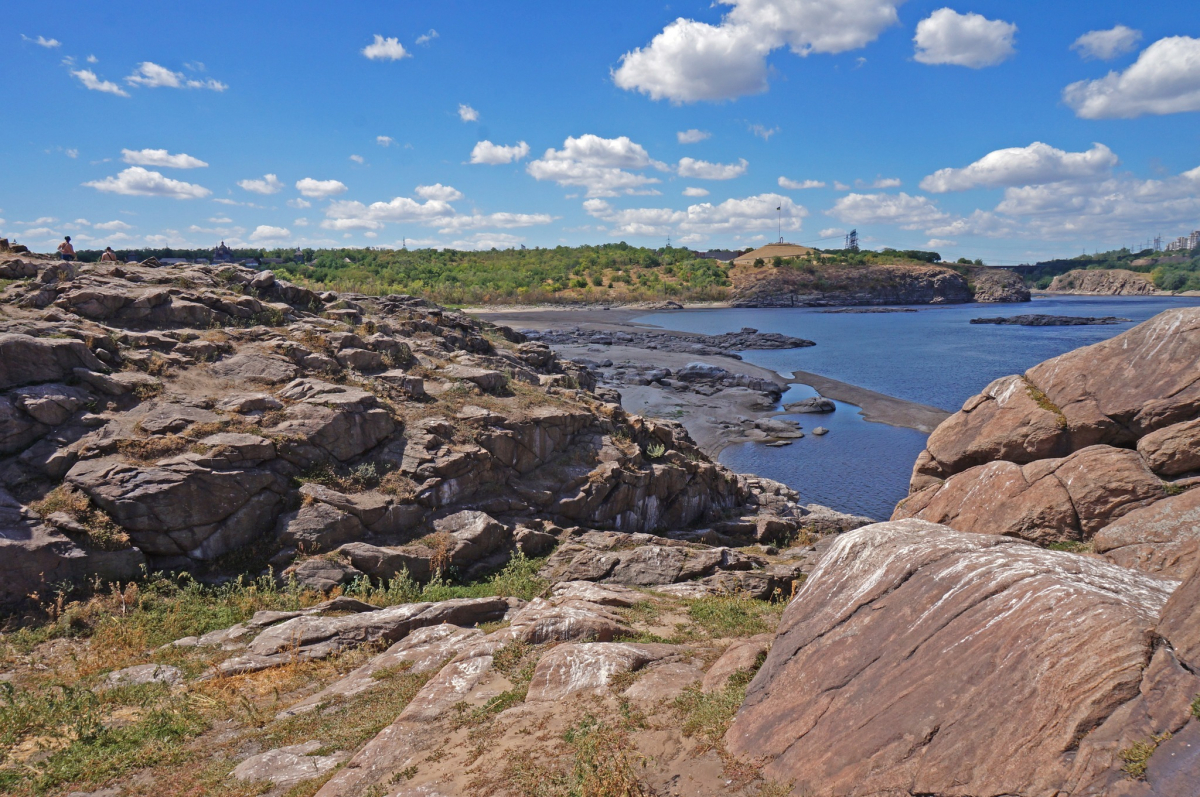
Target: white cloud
point(1165, 79)
point(838, 185)
point(601, 165)
point(939, 243)
point(695, 191)
point(136, 181)
point(493, 154)
point(887, 182)
point(40, 232)
point(161, 158)
point(467, 113)
point(91, 59)
point(494, 220)
point(221, 220)
point(426, 38)
point(319, 189)
point(89, 79)
point(438, 191)
point(690, 167)
point(733, 215)
point(300, 222)
point(153, 76)
point(71, 153)
point(1036, 164)
point(384, 141)
point(358, 159)
point(265, 232)
point(299, 203)
point(38, 221)
point(42, 41)
point(1105, 45)
point(763, 132)
point(112, 226)
point(690, 61)
point(948, 37)
point(799, 185)
point(692, 136)
point(909, 212)
point(830, 232)
point(385, 49)
point(269, 184)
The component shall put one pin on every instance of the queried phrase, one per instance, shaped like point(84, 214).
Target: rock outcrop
point(913, 662)
point(824, 286)
point(997, 285)
point(1075, 446)
point(1104, 282)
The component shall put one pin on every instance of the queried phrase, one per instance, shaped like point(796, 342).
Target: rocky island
point(1050, 321)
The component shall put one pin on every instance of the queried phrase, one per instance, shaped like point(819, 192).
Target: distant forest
point(1169, 271)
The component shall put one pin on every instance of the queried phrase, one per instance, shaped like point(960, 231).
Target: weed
point(1171, 488)
point(1071, 546)
point(147, 390)
point(1196, 707)
point(707, 715)
point(1137, 755)
point(394, 483)
point(655, 451)
point(1043, 401)
point(733, 616)
point(101, 531)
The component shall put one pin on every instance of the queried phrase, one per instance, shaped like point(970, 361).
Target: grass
point(1043, 401)
point(517, 579)
point(706, 716)
point(1137, 755)
point(1196, 707)
point(733, 616)
point(102, 532)
point(1072, 546)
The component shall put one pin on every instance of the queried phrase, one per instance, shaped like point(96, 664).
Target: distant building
point(766, 253)
point(723, 255)
point(1184, 242)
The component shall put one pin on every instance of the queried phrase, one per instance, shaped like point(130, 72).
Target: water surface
point(934, 356)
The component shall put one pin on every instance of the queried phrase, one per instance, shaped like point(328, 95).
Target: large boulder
point(26, 360)
point(915, 661)
point(1113, 392)
point(1046, 501)
point(1162, 538)
point(181, 507)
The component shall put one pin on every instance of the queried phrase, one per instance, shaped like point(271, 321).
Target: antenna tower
point(852, 241)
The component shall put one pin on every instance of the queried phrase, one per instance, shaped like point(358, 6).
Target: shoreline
point(708, 418)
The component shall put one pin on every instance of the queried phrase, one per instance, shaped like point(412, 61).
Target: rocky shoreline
point(1051, 321)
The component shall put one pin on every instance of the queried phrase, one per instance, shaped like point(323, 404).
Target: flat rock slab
point(913, 661)
point(310, 638)
point(142, 674)
point(1163, 538)
point(288, 766)
point(255, 368)
point(741, 656)
point(590, 667)
point(664, 682)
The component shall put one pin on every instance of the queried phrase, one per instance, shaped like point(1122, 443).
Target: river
point(934, 356)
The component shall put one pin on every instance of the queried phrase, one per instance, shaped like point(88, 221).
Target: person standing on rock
point(108, 256)
point(65, 250)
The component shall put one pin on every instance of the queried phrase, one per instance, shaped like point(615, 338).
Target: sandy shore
point(707, 418)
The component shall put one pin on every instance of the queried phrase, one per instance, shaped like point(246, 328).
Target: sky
point(1009, 131)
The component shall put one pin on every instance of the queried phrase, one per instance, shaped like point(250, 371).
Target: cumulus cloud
point(42, 41)
point(161, 158)
point(385, 49)
point(153, 76)
point(494, 154)
point(90, 81)
point(299, 203)
point(1036, 164)
point(269, 184)
point(497, 220)
point(690, 61)
point(1105, 45)
point(601, 165)
point(1165, 79)
point(112, 226)
point(909, 212)
point(799, 185)
point(319, 189)
point(948, 37)
point(692, 136)
point(733, 215)
point(426, 38)
point(467, 113)
point(886, 182)
point(703, 170)
point(695, 191)
point(763, 132)
point(264, 232)
point(358, 159)
point(438, 191)
point(384, 141)
point(136, 181)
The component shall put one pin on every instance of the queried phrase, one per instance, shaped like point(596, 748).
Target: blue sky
point(1011, 131)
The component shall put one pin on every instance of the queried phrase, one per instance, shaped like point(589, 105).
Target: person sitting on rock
point(65, 250)
point(108, 256)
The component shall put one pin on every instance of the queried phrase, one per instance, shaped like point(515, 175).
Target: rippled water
point(934, 356)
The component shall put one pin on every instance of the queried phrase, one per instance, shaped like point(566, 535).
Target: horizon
point(1005, 132)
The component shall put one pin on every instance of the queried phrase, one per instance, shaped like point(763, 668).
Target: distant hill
point(1167, 271)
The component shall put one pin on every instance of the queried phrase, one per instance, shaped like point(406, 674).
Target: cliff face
point(998, 285)
point(827, 285)
point(1104, 282)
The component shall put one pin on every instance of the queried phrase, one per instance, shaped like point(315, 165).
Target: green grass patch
point(1071, 546)
point(732, 616)
point(1137, 755)
point(706, 716)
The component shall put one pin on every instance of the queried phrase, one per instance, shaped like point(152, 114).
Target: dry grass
point(102, 532)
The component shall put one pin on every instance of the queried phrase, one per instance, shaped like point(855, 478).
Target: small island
point(1050, 320)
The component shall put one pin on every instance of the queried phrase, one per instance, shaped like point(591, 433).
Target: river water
point(934, 356)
